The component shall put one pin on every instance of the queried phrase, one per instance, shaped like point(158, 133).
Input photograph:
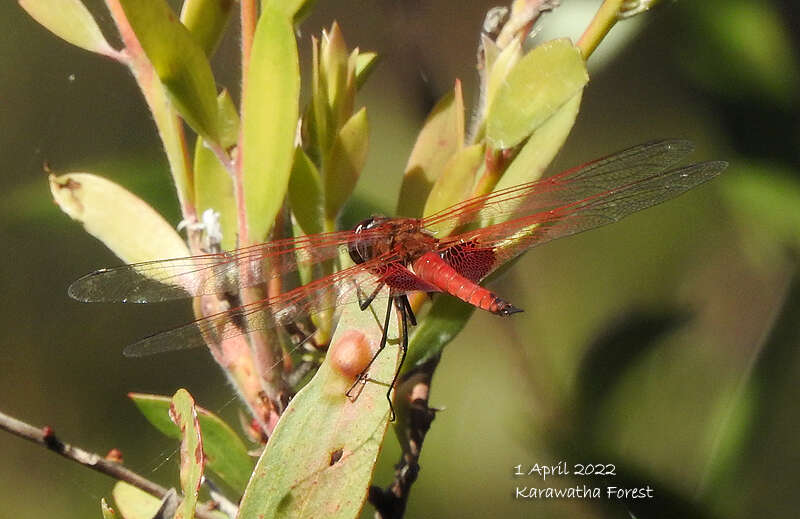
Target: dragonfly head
point(363, 249)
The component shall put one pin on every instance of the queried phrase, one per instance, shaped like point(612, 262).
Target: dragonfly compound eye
point(361, 250)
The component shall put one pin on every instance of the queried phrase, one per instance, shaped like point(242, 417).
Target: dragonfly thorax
point(401, 237)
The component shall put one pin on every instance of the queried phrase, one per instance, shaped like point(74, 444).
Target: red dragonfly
point(403, 254)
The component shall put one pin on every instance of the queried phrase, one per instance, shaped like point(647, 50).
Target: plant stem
point(603, 21)
point(248, 16)
point(46, 438)
point(169, 125)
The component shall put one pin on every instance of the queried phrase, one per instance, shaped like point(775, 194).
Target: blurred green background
point(665, 344)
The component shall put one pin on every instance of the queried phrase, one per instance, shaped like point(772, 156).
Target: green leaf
point(269, 119)
point(305, 194)
point(344, 162)
point(293, 8)
point(339, 438)
point(179, 61)
point(108, 512)
point(456, 181)
point(317, 126)
point(70, 21)
point(365, 64)
point(446, 318)
point(441, 136)
point(206, 20)
point(542, 146)
point(228, 120)
point(134, 503)
point(133, 230)
point(184, 416)
point(226, 454)
point(501, 67)
point(214, 190)
point(545, 79)
point(334, 72)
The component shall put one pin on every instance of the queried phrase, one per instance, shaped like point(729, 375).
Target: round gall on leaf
point(350, 355)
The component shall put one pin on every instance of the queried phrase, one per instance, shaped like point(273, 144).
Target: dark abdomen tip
point(502, 307)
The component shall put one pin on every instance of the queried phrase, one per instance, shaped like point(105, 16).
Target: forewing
point(346, 286)
point(600, 176)
point(222, 273)
point(511, 238)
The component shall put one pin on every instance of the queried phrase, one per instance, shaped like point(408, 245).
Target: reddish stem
point(143, 73)
point(249, 18)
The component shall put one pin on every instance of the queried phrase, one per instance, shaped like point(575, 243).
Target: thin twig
point(414, 422)
point(605, 18)
point(46, 437)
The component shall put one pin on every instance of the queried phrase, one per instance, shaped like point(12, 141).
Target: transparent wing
point(571, 186)
point(346, 286)
point(508, 239)
point(222, 273)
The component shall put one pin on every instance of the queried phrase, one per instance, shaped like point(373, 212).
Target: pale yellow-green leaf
point(365, 64)
point(127, 225)
point(317, 122)
point(441, 136)
point(206, 20)
point(329, 476)
point(70, 21)
point(133, 503)
point(179, 61)
point(542, 81)
point(269, 120)
point(334, 59)
point(542, 146)
point(345, 162)
point(456, 182)
point(228, 120)
point(306, 196)
point(214, 190)
point(501, 67)
point(192, 459)
point(540, 150)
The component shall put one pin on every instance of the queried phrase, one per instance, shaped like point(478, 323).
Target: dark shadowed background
point(665, 344)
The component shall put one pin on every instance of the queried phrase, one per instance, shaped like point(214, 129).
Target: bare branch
point(46, 437)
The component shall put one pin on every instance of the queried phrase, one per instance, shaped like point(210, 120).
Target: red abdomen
point(436, 271)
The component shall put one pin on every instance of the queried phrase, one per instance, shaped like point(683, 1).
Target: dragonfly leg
point(409, 311)
point(364, 375)
point(404, 308)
